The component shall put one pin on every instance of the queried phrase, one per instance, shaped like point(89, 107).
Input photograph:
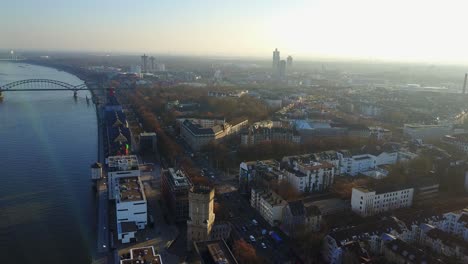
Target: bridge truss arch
point(37, 84)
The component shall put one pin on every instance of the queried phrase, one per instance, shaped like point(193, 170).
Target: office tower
point(282, 69)
point(144, 63)
point(464, 83)
point(276, 59)
point(201, 214)
point(152, 63)
point(289, 61)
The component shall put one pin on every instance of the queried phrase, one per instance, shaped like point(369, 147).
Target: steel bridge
point(38, 85)
point(41, 85)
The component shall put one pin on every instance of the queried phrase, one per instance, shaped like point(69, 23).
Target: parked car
point(252, 238)
point(254, 222)
point(263, 245)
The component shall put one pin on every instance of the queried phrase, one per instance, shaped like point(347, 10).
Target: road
point(102, 227)
point(242, 215)
point(103, 220)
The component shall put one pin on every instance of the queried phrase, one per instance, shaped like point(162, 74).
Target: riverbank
point(101, 254)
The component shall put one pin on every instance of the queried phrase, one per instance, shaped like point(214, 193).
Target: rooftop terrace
point(179, 179)
point(122, 163)
point(130, 189)
point(144, 255)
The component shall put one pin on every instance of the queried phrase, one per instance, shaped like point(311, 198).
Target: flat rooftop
point(130, 189)
point(122, 163)
point(215, 252)
point(144, 255)
point(126, 227)
point(179, 179)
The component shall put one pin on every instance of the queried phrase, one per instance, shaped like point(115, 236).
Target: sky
point(402, 30)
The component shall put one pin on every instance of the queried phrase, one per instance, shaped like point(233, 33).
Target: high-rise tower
point(464, 83)
point(153, 66)
point(144, 63)
point(276, 60)
point(282, 69)
point(289, 61)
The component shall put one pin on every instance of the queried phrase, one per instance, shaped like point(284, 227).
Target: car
point(264, 232)
point(252, 238)
point(244, 228)
point(263, 245)
point(254, 222)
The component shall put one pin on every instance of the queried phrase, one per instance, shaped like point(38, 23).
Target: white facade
point(313, 177)
point(269, 204)
point(456, 223)
point(120, 167)
point(385, 158)
point(131, 202)
point(367, 202)
point(355, 164)
point(125, 232)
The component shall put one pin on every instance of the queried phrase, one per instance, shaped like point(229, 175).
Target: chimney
point(464, 83)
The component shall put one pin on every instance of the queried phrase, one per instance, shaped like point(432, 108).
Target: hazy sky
point(371, 29)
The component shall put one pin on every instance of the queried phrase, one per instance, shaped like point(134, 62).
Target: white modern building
point(269, 204)
point(124, 186)
point(120, 167)
point(312, 177)
point(353, 165)
point(367, 202)
point(131, 202)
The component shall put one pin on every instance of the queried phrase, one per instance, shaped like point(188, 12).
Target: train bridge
point(37, 85)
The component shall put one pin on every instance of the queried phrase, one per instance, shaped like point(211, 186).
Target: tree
point(285, 190)
point(245, 253)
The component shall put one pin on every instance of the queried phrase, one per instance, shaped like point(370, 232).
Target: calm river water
point(47, 142)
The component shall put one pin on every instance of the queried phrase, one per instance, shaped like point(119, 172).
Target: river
point(47, 142)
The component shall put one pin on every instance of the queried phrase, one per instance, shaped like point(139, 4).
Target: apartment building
point(367, 202)
point(460, 141)
point(299, 219)
point(355, 164)
point(310, 177)
point(145, 255)
point(119, 167)
point(199, 132)
point(444, 243)
point(269, 204)
point(175, 186)
point(258, 173)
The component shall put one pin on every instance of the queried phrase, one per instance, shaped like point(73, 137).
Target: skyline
point(427, 31)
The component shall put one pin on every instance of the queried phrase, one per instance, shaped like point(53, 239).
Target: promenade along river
point(47, 142)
